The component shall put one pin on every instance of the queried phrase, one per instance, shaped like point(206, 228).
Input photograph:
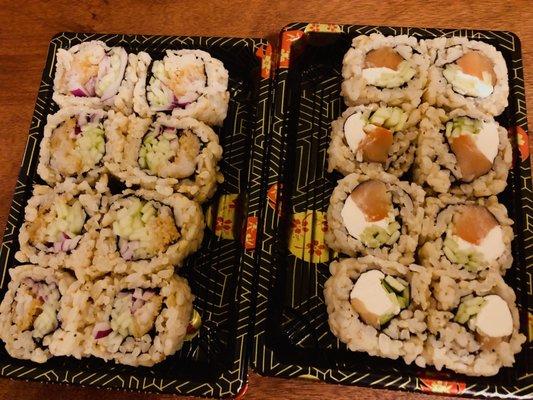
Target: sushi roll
point(467, 238)
point(73, 145)
point(187, 83)
point(391, 69)
point(91, 74)
point(61, 226)
point(474, 330)
point(462, 153)
point(142, 231)
point(140, 320)
point(466, 74)
point(373, 213)
point(168, 154)
point(373, 134)
point(378, 306)
point(29, 311)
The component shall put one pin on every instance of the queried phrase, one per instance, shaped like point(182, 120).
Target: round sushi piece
point(142, 231)
point(167, 154)
point(187, 83)
point(61, 226)
point(466, 74)
point(91, 74)
point(373, 134)
point(378, 306)
point(466, 238)
point(29, 311)
point(391, 69)
point(473, 326)
point(462, 153)
point(140, 320)
point(373, 213)
point(73, 145)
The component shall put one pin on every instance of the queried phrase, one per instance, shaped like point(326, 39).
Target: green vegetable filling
point(375, 236)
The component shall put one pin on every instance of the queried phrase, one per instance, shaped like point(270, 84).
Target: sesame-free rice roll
point(466, 74)
point(73, 145)
point(91, 74)
point(473, 326)
point(142, 231)
point(374, 213)
point(140, 320)
point(61, 226)
point(186, 83)
point(391, 69)
point(466, 238)
point(463, 153)
point(373, 134)
point(378, 306)
point(29, 311)
point(166, 154)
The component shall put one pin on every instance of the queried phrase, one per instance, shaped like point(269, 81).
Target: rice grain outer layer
point(125, 138)
point(439, 92)
point(439, 212)
point(436, 165)
point(408, 197)
point(22, 344)
point(400, 156)
point(404, 335)
point(170, 324)
point(39, 205)
point(212, 105)
point(454, 346)
point(188, 218)
point(356, 91)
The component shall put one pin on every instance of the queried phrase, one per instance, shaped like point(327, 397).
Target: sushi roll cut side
point(464, 153)
point(91, 74)
point(144, 232)
point(375, 134)
point(467, 238)
point(169, 155)
point(73, 146)
point(375, 214)
point(377, 306)
point(142, 321)
point(29, 311)
point(473, 326)
point(61, 226)
point(468, 75)
point(391, 69)
point(187, 83)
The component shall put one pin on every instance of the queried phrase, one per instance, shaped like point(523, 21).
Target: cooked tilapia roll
point(142, 231)
point(61, 226)
point(474, 330)
point(91, 74)
point(140, 320)
point(187, 83)
point(466, 237)
point(462, 153)
point(167, 154)
point(373, 134)
point(378, 306)
point(391, 69)
point(376, 214)
point(29, 311)
point(466, 74)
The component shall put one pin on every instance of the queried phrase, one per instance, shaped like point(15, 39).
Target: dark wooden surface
point(26, 28)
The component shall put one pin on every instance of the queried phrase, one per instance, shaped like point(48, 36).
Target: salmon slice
point(470, 160)
point(376, 145)
point(372, 199)
point(473, 223)
point(475, 63)
point(384, 57)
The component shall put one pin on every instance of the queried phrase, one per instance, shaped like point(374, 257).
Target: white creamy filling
point(355, 220)
point(494, 319)
point(492, 246)
point(487, 140)
point(353, 131)
point(468, 85)
point(371, 294)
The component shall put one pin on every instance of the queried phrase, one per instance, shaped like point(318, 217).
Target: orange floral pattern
point(265, 54)
point(437, 386)
point(307, 233)
point(323, 28)
point(287, 38)
point(523, 142)
point(251, 233)
point(220, 217)
point(272, 194)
